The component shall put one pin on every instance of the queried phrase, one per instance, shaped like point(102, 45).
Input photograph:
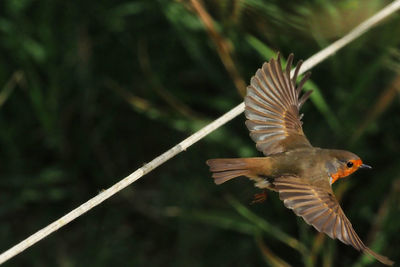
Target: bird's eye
point(349, 164)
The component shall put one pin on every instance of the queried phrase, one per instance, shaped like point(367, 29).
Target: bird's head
point(343, 164)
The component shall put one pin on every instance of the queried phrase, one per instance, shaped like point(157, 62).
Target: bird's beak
point(365, 166)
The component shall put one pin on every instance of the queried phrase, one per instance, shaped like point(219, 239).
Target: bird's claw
point(260, 197)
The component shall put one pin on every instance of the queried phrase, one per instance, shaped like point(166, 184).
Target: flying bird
point(301, 173)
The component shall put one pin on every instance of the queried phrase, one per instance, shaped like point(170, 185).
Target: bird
point(300, 173)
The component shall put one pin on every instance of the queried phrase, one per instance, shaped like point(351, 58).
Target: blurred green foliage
point(91, 90)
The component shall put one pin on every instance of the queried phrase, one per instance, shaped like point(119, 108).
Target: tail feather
point(227, 169)
point(222, 177)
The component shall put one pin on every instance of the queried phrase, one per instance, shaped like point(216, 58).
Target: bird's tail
point(227, 169)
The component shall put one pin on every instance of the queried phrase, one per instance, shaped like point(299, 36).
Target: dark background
point(91, 90)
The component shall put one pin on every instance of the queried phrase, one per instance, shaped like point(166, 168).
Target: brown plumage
point(300, 173)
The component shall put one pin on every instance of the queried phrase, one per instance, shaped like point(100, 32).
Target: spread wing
point(272, 108)
point(317, 205)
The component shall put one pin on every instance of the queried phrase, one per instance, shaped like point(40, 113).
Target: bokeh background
point(91, 90)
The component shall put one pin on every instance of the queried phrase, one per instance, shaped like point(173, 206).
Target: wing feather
point(272, 106)
point(317, 205)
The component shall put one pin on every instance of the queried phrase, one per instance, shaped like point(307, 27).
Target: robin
point(302, 174)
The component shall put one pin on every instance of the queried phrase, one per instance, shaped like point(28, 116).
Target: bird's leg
point(260, 197)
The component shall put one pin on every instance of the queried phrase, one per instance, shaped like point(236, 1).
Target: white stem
point(351, 36)
point(182, 146)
